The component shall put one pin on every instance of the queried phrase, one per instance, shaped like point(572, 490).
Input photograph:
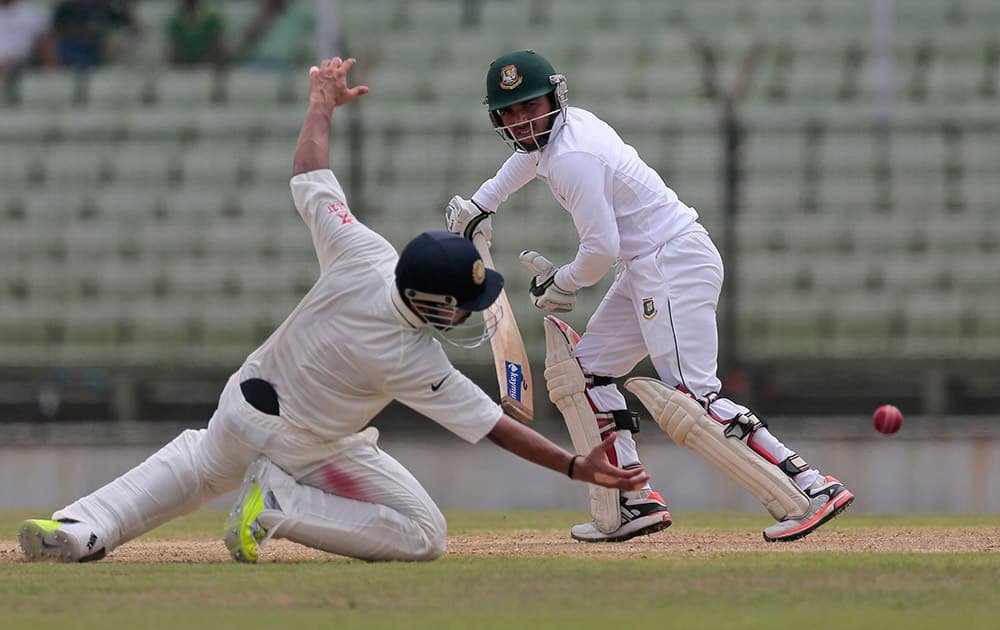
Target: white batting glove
point(545, 293)
point(465, 217)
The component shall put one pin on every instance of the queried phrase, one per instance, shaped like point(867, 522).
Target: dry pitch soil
point(547, 543)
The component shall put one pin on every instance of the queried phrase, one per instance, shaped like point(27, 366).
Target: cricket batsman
point(662, 304)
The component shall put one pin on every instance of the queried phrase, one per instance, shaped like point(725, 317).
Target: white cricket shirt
point(348, 349)
point(20, 25)
point(621, 207)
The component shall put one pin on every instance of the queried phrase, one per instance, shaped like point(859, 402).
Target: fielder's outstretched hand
point(328, 83)
point(595, 468)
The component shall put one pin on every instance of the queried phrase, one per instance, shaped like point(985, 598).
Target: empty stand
point(145, 214)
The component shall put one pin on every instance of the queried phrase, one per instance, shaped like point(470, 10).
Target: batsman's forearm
point(527, 443)
point(312, 151)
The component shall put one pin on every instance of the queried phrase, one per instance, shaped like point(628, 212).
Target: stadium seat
point(165, 242)
point(153, 164)
point(20, 166)
point(75, 166)
point(232, 123)
point(933, 324)
point(50, 90)
point(92, 331)
point(907, 276)
point(767, 274)
point(784, 325)
point(980, 193)
point(984, 325)
point(128, 206)
point(843, 275)
point(268, 205)
point(974, 273)
point(197, 206)
point(188, 88)
point(163, 333)
point(269, 163)
point(865, 325)
point(877, 236)
point(252, 88)
point(29, 333)
point(26, 127)
point(215, 162)
point(114, 88)
point(231, 328)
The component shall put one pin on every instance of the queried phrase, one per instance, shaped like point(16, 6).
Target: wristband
point(572, 462)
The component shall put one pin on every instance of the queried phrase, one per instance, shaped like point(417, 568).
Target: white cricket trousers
point(664, 305)
point(370, 506)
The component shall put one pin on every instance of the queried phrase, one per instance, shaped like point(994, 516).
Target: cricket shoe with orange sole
point(643, 512)
point(827, 498)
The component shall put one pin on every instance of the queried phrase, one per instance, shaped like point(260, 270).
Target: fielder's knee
point(435, 538)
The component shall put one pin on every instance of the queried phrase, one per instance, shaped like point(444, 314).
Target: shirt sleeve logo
point(340, 209)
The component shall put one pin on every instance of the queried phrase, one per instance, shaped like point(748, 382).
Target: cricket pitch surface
point(558, 544)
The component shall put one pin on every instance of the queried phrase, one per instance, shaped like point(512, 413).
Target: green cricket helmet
point(521, 76)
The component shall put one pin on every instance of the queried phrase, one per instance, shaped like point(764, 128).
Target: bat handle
point(483, 247)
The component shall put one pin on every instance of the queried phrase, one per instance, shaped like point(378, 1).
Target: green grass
point(726, 590)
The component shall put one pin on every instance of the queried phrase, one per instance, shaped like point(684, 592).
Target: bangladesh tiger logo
point(509, 78)
point(648, 308)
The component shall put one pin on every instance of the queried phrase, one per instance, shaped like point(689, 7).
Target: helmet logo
point(509, 78)
point(478, 272)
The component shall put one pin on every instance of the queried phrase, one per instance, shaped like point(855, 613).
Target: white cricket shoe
point(43, 539)
point(244, 534)
point(827, 498)
point(643, 512)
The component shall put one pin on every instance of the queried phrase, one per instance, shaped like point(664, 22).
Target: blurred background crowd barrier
point(844, 154)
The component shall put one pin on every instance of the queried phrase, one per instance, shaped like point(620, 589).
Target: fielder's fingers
point(614, 481)
point(609, 440)
point(598, 455)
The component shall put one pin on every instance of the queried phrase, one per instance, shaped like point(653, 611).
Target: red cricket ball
point(887, 419)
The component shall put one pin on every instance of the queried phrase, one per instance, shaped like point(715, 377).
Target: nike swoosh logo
point(438, 385)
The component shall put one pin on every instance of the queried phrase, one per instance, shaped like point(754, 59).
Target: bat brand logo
point(515, 380)
point(509, 78)
point(648, 308)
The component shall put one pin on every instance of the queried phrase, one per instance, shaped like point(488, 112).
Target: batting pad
point(687, 423)
point(566, 384)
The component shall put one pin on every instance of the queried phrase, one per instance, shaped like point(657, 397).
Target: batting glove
point(545, 293)
point(465, 217)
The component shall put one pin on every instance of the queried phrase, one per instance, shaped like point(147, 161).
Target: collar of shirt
point(540, 156)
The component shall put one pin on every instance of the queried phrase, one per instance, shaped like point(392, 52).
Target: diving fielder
point(291, 421)
point(662, 303)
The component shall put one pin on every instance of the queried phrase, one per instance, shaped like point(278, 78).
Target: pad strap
point(793, 465)
point(597, 381)
point(743, 425)
point(617, 420)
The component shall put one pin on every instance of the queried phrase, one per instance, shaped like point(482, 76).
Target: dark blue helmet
point(446, 266)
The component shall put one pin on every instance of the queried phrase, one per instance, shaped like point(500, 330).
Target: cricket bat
point(509, 356)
